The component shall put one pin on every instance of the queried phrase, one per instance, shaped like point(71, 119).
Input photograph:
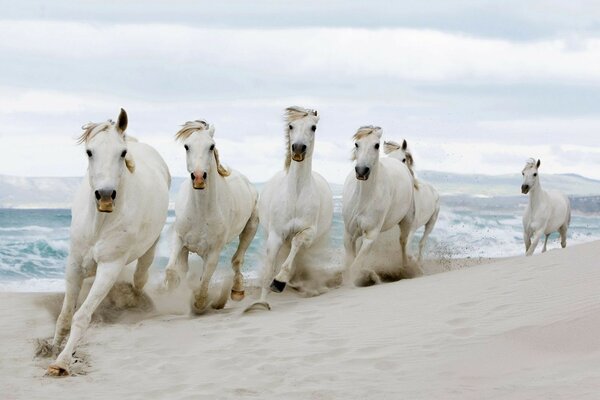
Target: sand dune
point(523, 328)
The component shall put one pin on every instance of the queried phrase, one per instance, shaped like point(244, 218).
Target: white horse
point(295, 206)
point(548, 210)
point(377, 196)
point(213, 208)
point(427, 199)
point(117, 216)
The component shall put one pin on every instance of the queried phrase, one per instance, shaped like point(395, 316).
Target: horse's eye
point(290, 127)
point(314, 128)
point(89, 153)
point(124, 153)
point(535, 174)
point(376, 146)
point(212, 147)
point(186, 147)
point(356, 144)
point(404, 160)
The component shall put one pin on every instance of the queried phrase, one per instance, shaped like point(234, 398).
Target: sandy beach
point(520, 328)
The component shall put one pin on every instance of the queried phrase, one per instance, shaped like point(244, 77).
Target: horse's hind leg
point(404, 235)
point(545, 243)
point(140, 277)
point(106, 276)
point(428, 228)
point(73, 280)
point(563, 235)
point(237, 290)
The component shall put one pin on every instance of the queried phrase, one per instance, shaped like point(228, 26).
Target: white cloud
point(341, 54)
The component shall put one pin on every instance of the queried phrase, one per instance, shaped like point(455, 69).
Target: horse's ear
point(404, 145)
point(211, 130)
point(538, 163)
point(122, 121)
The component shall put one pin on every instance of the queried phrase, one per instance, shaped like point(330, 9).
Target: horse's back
point(401, 183)
point(244, 197)
point(426, 203)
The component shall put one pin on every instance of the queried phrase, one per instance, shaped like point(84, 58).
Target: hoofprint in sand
point(525, 327)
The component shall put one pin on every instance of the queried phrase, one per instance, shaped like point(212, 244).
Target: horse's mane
point(294, 113)
point(391, 146)
point(91, 129)
point(530, 163)
point(365, 131)
point(200, 125)
point(362, 132)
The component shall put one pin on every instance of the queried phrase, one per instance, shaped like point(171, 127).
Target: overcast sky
point(474, 86)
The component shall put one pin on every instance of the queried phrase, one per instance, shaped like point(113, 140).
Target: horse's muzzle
point(105, 199)
point(298, 152)
point(198, 180)
point(362, 173)
point(524, 189)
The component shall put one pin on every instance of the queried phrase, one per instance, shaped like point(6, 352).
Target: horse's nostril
point(204, 175)
point(193, 176)
point(298, 148)
point(113, 195)
point(97, 194)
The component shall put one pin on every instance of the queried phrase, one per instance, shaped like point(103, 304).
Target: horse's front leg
point(274, 243)
point(526, 239)
point(537, 235)
point(367, 243)
point(73, 280)
point(106, 276)
point(177, 265)
point(201, 294)
point(302, 238)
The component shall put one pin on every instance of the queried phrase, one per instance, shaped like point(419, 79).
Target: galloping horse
point(117, 216)
point(213, 208)
point(547, 211)
point(378, 195)
point(296, 205)
point(427, 199)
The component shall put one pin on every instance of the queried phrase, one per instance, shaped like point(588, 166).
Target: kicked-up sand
point(519, 328)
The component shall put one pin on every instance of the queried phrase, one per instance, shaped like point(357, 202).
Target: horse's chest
point(201, 237)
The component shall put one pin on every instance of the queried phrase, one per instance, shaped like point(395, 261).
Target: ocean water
point(34, 244)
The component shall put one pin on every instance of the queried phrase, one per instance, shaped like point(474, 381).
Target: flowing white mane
point(365, 131)
point(91, 129)
point(530, 163)
point(193, 126)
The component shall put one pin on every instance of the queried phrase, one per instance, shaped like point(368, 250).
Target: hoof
point(56, 370)
point(277, 286)
point(258, 305)
point(237, 295)
point(172, 280)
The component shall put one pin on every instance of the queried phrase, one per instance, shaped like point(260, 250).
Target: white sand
point(520, 328)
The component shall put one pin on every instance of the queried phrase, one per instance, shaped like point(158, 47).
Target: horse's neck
point(299, 175)
point(536, 195)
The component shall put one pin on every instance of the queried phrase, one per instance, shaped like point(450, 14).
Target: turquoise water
point(34, 244)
